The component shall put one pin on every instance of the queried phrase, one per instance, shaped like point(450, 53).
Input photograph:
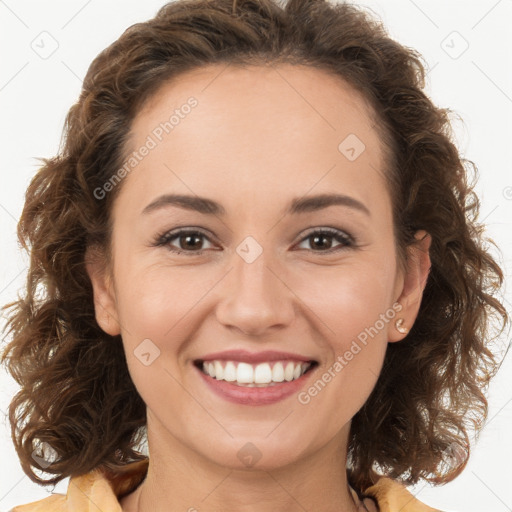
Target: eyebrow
point(296, 206)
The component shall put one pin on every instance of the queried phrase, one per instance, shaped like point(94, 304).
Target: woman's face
point(261, 143)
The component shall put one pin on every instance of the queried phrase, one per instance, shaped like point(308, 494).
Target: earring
point(400, 327)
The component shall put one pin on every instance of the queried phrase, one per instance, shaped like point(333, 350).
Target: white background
point(36, 92)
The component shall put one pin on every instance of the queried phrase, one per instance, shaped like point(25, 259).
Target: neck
point(179, 479)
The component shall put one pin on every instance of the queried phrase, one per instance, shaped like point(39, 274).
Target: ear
point(414, 281)
point(103, 290)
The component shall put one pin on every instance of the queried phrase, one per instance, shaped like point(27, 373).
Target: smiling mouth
point(263, 374)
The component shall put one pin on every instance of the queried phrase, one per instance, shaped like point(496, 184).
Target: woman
point(325, 339)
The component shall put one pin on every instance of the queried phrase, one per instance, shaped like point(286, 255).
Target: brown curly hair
point(76, 393)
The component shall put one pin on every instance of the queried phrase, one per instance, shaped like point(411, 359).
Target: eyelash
point(165, 238)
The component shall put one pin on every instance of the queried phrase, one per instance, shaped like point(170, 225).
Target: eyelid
point(164, 237)
point(350, 240)
point(328, 229)
point(346, 239)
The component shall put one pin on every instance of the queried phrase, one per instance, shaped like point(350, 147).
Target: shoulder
point(54, 503)
point(91, 492)
point(392, 496)
point(95, 490)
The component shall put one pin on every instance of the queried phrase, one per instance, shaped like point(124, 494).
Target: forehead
point(274, 90)
point(266, 126)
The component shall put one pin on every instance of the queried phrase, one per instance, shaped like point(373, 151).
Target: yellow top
point(95, 491)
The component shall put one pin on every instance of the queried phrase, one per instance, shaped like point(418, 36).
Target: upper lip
point(254, 357)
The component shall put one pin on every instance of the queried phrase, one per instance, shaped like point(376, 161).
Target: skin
point(257, 138)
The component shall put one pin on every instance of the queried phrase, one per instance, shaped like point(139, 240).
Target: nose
point(255, 297)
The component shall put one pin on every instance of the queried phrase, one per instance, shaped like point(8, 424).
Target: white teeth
point(288, 371)
point(219, 371)
point(262, 374)
point(244, 373)
point(230, 372)
point(259, 375)
point(278, 372)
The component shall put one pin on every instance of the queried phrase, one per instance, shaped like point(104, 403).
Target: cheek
point(156, 310)
point(157, 300)
point(352, 335)
point(153, 301)
point(353, 315)
point(349, 298)
point(353, 318)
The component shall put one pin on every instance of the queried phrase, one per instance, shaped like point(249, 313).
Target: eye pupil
point(320, 237)
point(188, 237)
point(320, 241)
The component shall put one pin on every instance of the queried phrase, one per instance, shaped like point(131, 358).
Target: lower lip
point(255, 396)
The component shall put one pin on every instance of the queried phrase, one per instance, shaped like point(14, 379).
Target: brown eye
point(322, 240)
point(188, 241)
